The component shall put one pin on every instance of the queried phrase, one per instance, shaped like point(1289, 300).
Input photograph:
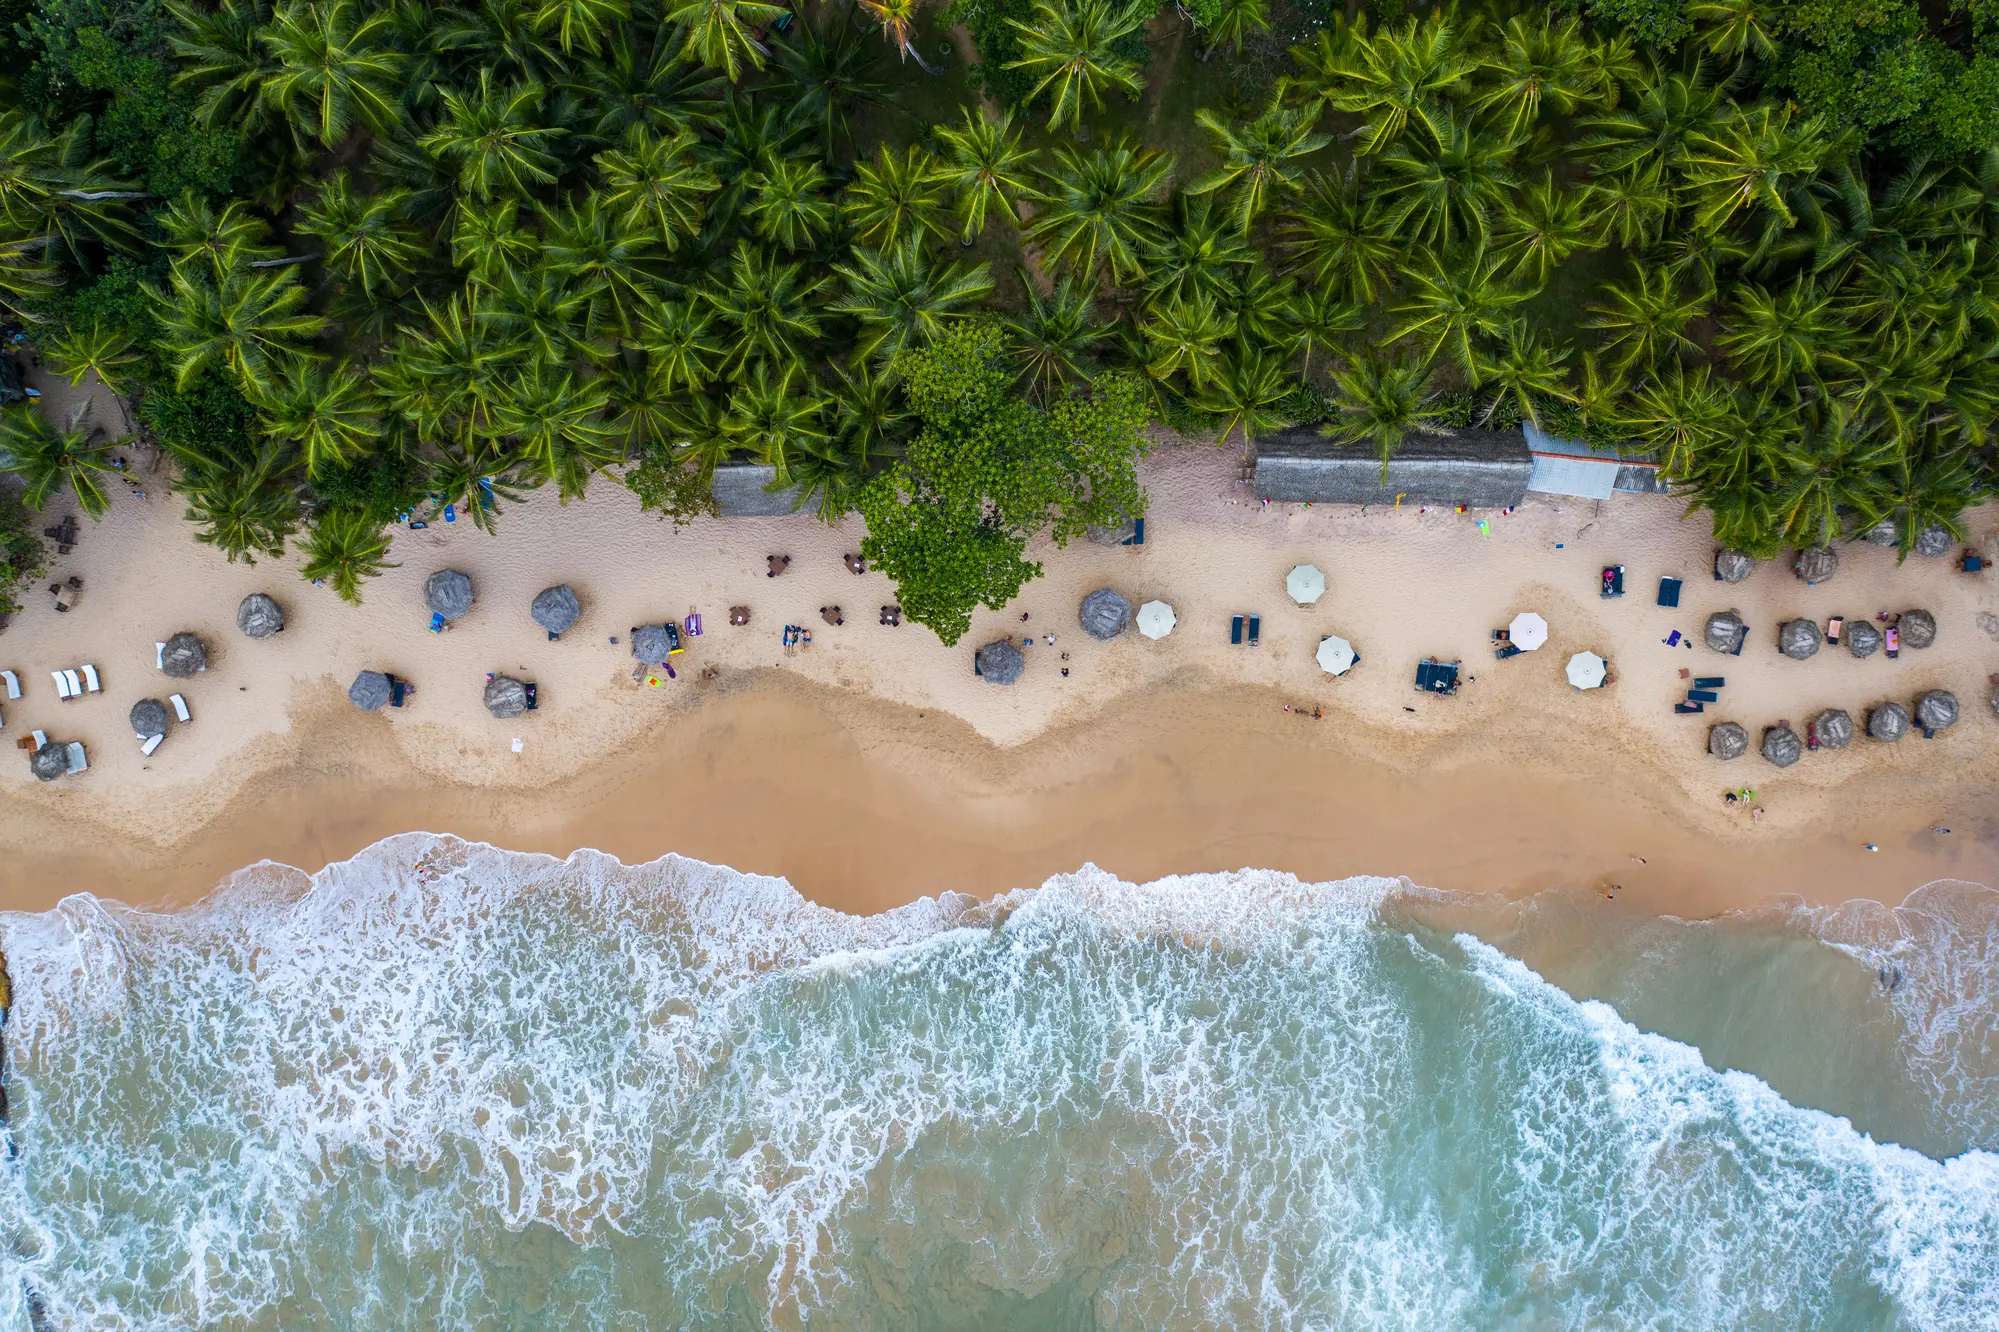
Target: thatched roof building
point(742, 489)
point(1732, 566)
point(149, 718)
point(651, 643)
point(1937, 709)
point(49, 762)
point(1104, 614)
point(506, 697)
point(1727, 740)
point(1834, 728)
point(1724, 631)
point(556, 608)
point(1782, 747)
point(1934, 542)
point(448, 593)
point(370, 691)
point(184, 656)
point(259, 616)
point(1918, 628)
point(1889, 722)
point(1485, 469)
point(1799, 639)
point(1816, 564)
point(1000, 662)
point(1862, 638)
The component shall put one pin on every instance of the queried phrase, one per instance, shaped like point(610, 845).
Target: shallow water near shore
point(447, 1085)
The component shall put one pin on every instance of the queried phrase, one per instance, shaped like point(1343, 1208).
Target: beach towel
point(436, 622)
point(693, 625)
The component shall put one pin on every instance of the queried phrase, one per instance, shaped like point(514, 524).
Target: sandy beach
point(873, 766)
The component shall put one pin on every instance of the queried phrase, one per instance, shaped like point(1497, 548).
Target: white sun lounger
point(62, 683)
point(41, 738)
point(78, 760)
point(90, 679)
point(13, 683)
point(152, 743)
point(75, 684)
point(160, 655)
point(180, 707)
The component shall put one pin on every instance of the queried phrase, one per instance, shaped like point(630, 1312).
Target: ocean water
point(444, 1085)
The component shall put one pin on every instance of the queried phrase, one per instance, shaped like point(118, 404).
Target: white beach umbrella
point(1156, 619)
point(1305, 584)
point(1336, 655)
point(1528, 631)
point(1586, 670)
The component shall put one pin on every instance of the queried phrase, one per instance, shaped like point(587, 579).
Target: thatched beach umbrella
point(1883, 533)
point(506, 697)
point(556, 608)
point(1934, 542)
point(1104, 614)
point(1889, 722)
point(1000, 662)
point(1732, 566)
point(1305, 584)
point(651, 643)
point(49, 762)
point(448, 593)
point(1727, 740)
point(1918, 628)
point(1782, 747)
point(184, 656)
point(1862, 638)
point(1112, 536)
point(1937, 709)
point(149, 718)
point(370, 691)
point(1816, 564)
point(259, 616)
point(1834, 728)
point(1798, 639)
point(1156, 619)
point(1724, 631)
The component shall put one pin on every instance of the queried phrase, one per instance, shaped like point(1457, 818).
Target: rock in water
point(1727, 740)
point(1934, 542)
point(259, 616)
point(1105, 614)
point(1000, 662)
point(1862, 638)
point(1889, 722)
point(1816, 564)
point(1799, 639)
point(506, 697)
point(1918, 628)
point(1937, 709)
point(1834, 728)
point(1733, 566)
point(1781, 746)
point(1724, 631)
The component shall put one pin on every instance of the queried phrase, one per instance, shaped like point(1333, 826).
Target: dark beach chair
point(1710, 681)
point(1506, 650)
point(1973, 562)
point(976, 668)
point(1703, 696)
point(1235, 631)
point(1740, 639)
point(1137, 537)
point(1255, 629)
point(534, 698)
point(1669, 592)
point(1686, 709)
point(399, 691)
point(1613, 580)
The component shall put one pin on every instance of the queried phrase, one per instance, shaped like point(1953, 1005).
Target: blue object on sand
point(451, 513)
point(1710, 681)
point(1703, 696)
point(1673, 639)
point(1437, 677)
point(1255, 629)
point(1669, 592)
point(1235, 631)
point(436, 622)
point(1137, 537)
point(1685, 708)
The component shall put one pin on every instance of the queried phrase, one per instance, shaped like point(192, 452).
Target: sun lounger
point(1687, 709)
point(75, 684)
point(437, 622)
point(159, 656)
point(1710, 681)
point(90, 679)
point(1740, 639)
point(1613, 581)
point(41, 738)
point(399, 691)
point(1894, 637)
point(1669, 592)
point(1973, 562)
point(13, 683)
point(1703, 696)
point(79, 761)
point(180, 707)
point(534, 699)
point(1506, 650)
point(1255, 629)
point(977, 669)
point(1235, 631)
point(1834, 628)
point(1137, 537)
point(62, 684)
point(151, 743)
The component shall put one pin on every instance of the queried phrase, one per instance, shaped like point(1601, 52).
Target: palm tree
point(1102, 210)
point(1538, 63)
point(1382, 402)
point(578, 22)
point(50, 460)
point(490, 240)
point(1837, 473)
point(645, 401)
point(244, 506)
point(719, 32)
point(1448, 183)
point(1249, 395)
point(1678, 413)
point(325, 416)
point(827, 72)
point(1542, 226)
point(447, 375)
point(788, 205)
point(1454, 300)
point(898, 21)
point(654, 181)
point(52, 194)
point(1185, 335)
point(1659, 129)
point(1321, 318)
point(1401, 74)
point(474, 481)
point(1647, 318)
point(1734, 28)
point(678, 345)
point(606, 259)
point(646, 84)
point(92, 347)
point(767, 305)
point(895, 196)
point(345, 548)
point(1630, 205)
point(903, 298)
point(494, 139)
point(986, 167)
point(1342, 238)
point(195, 234)
point(1793, 334)
point(367, 240)
point(1260, 302)
point(1525, 368)
point(334, 67)
point(1751, 161)
point(776, 414)
point(1234, 20)
point(870, 413)
point(1198, 253)
point(244, 324)
point(1259, 161)
point(557, 421)
point(1070, 49)
point(222, 52)
point(1054, 336)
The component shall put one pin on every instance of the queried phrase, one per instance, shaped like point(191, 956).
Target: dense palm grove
point(357, 260)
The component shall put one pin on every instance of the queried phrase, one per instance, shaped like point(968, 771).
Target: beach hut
point(1934, 542)
point(448, 593)
point(1335, 655)
point(1000, 662)
point(506, 697)
point(1782, 747)
point(1937, 710)
point(1816, 564)
point(1889, 722)
point(149, 718)
point(1799, 639)
point(1862, 638)
point(370, 691)
point(184, 656)
point(1587, 670)
point(1732, 566)
point(49, 762)
point(1485, 469)
point(1727, 740)
point(1104, 614)
point(1156, 619)
point(652, 644)
point(1833, 728)
point(1527, 632)
point(259, 616)
point(556, 609)
point(1725, 631)
point(1305, 584)
point(1918, 628)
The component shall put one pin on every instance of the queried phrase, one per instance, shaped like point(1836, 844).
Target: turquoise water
point(446, 1085)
